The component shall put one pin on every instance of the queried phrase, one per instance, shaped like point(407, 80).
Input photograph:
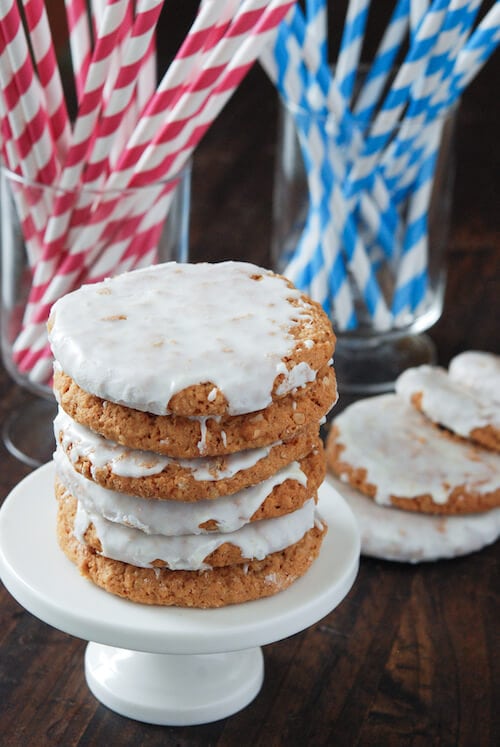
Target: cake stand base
point(173, 689)
point(165, 665)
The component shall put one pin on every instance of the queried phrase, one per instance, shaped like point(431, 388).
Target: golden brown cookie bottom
point(217, 587)
point(177, 436)
point(461, 500)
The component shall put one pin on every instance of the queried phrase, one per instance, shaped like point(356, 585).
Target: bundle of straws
point(370, 144)
point(129, 131)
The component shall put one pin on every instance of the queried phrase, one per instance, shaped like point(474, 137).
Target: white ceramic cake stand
point(165, 665)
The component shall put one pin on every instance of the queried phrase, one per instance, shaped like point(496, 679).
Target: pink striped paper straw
point(79, 42)
point(207, 30)
point(28, 147)
point(137, 47)
point(9, 153)
point(31, 211)
point(48, 73)
point(171, 153)
point(23, 97)
point(83, 133)
point(156, 150)
point(249, 32)
point(193, 56)
point(30, 207)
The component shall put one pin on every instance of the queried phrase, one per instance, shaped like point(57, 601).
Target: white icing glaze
point(125, 462)
point(188, 552)
point(448, 402)
point(479, 371)
point(393, 534)
point(139, 338)
point(168, 517)
point(296, 377)
point(406, 456)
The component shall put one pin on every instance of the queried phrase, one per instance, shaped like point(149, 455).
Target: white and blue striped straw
point(479, 48)
point(351, 43)
point(309, 267)
point(411, 281)
point(412, 278)
point(382, 65)
point(418, 9)
point(328, 211)
point(469, 59)
point(408, 146)
point(317, 24)
point(331, 172)
point(387, 119)
point(350, 137)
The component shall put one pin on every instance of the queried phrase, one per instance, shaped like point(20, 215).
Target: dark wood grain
point(412, 655)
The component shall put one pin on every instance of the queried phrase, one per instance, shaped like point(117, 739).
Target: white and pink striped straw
point(23, 97)
point(48, 73)
point(80, 42)
point(55, 237)
point(226, 66)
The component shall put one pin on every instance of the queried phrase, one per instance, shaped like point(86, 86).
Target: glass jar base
point(372, 368)
point(28, 432)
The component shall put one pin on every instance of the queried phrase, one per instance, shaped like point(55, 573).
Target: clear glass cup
point(149, 224)
point(378, 335)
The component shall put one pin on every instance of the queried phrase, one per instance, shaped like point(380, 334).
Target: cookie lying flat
point(187, 339)
point(391, 452)
point(392, 534)
point(281, 493)
point(188, 438)
point(451, 404)
point(216, 587)
point(479, 371)
point(193, 552)
point(149, 475)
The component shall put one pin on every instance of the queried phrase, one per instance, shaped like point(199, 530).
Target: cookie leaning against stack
point(189, 457)
point(423, 450)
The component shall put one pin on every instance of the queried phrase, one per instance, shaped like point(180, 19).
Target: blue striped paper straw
point(350, 137)
point(383, 62)
point(407, 149)
point(323, 167)
point(412, 277)
point(332, 173)
point(411, 282)
point(311, 268)
point(418, 8)
point(469, 59)
point(388, 117)
point(351, 43)
point(317, 24)
point(411, 285)
point(479, 48)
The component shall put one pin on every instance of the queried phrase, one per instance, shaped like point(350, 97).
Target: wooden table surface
point(412, 655)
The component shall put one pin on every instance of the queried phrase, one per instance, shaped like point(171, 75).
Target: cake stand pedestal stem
point(173, 689)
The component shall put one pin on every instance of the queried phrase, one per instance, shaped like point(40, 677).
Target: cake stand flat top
point(47, 584)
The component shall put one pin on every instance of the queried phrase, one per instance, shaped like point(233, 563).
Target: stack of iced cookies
point(428, 458)
point(188, 453)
